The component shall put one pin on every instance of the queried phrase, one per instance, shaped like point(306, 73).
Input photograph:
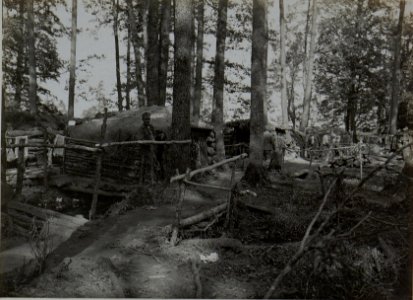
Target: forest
point(230, 149)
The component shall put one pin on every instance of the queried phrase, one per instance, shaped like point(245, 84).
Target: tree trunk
point(284, 104)
point(135, 43)
point(196, 112)
point(408, 172)
point(3, 148)
point(307, 25)
point(347, 115)
point(219, 68)
point(144, 18)
point(291, 100)
point(152, 55)
point(350, 119)
point(258, 81)
point(353, 119)
point(115, 32)
point(379, 116)
point(309, 76)
point(181, 126)
point(128, 73)
point(32, 58)
point(20, 57)
point(72, 76)
point(165, 29)
point(395, 95)
point(193, 56)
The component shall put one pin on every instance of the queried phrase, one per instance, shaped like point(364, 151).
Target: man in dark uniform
point(277, 156)
point(146, 131)
point(148, 160)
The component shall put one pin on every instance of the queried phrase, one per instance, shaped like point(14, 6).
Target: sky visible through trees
point(96, 76)
point(98, 41)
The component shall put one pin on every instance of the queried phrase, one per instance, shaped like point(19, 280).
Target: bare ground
point(129, 255)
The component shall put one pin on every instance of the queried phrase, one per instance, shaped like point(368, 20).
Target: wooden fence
point(185, 179)
point(121, 162)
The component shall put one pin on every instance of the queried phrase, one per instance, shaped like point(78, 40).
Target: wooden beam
point(207, 186)
point(143, 142)
point(203, 215)
point(33, 145)
point(209, 168)
point(16, 133)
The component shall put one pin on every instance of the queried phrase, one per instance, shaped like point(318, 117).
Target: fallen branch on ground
point(305, 243)
point(200, 217)
point(309, 239)
point(355, 226)
point(208, 186)
point(214, 243)
point(210, 224)
point(255, 207)
point(317, 215)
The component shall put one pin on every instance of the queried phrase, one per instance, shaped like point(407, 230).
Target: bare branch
point(355, 226)
point(307, 232)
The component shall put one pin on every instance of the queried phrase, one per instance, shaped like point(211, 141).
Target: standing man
point(277, 157)
point(147, 133)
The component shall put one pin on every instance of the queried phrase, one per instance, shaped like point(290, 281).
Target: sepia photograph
point(207, 149)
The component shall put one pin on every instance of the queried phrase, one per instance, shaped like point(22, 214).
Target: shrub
point(344, 271)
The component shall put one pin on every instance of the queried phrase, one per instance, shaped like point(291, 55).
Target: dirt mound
point(123, 124)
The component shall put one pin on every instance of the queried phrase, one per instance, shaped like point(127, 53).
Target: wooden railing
point(185, 179)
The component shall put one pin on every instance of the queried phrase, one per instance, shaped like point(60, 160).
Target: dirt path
point(126, 255)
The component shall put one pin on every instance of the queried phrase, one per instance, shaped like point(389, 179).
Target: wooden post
point(92, 211)
point(103, 128)
point(229, 204)
point(361, 159)
point(20, 169)
point(141, 163)
point(46, 161)
point(152, 161)
point(178, 211)
point(311, 159)
point(99, 158)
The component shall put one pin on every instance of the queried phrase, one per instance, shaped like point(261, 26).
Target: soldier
point(277, 157)
point(146, 131)
point(269, 143)
point(148, 160)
